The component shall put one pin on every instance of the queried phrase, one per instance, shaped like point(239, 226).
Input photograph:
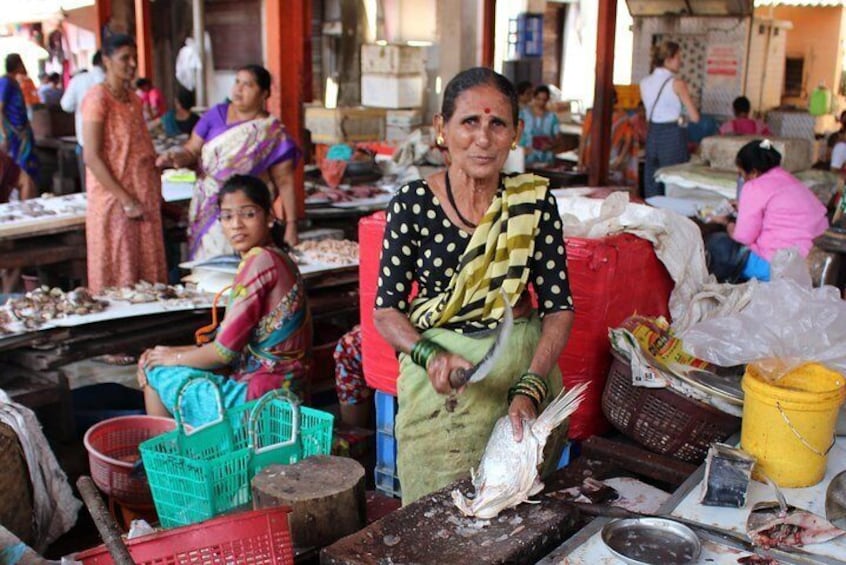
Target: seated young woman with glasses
point(264, 340)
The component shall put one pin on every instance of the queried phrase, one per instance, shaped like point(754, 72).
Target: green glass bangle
point(526, 390)
point(423, 351)
point(537, 381)
point(534, 388)
point(512, 393)
point(536, 378)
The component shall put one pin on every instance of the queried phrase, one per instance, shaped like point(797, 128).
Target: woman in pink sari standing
point(236, 137)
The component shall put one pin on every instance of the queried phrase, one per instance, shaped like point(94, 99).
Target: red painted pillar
point(600, 148)
point(144, 39)
point(103, 11)
point(488, 32)
point(288, 33)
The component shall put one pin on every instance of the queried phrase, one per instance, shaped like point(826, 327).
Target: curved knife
point(460, 377)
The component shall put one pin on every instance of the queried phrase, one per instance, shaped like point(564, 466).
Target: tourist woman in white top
point(663, 95)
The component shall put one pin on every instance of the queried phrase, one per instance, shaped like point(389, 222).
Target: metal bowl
point(651, 541)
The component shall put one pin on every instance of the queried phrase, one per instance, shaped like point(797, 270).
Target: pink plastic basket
point(254, 537)
point(113, 451)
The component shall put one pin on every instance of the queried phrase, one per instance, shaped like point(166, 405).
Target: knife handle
point(457, 378)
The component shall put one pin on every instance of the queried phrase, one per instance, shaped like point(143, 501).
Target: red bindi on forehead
point(487, 110)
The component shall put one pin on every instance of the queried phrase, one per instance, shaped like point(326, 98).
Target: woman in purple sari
point(236, 137)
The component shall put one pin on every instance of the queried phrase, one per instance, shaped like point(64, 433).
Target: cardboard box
point(391, 59)
point(392, 91)
point(341, 125)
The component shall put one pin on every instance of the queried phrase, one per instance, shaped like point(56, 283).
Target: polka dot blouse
point(422, 245)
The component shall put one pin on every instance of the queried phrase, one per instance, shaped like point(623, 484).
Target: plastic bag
point(787, 323)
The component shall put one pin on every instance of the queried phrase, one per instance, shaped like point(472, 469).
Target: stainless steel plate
point(726, 387)
point(651, 541)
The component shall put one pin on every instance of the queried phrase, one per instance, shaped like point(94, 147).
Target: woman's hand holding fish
point(441, 366)
point(521, 409)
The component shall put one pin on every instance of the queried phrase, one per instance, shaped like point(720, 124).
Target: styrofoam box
point(720, 151)
point(339, 125)
point(391, 59)
point(392, 91)
point(404, 118)
point(397, 133)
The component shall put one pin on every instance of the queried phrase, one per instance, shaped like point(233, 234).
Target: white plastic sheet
point(787, 322)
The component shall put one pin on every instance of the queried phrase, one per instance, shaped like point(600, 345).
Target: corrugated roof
point(715, 7)
point(805, 3)
point(641, 8)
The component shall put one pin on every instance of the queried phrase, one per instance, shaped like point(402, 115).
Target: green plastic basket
point(195, 475)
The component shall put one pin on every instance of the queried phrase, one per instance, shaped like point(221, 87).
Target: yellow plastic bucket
point(788, 425)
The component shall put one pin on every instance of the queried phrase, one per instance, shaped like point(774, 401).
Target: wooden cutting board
point(432, 530)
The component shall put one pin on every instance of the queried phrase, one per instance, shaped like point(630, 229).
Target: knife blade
point(460, 377)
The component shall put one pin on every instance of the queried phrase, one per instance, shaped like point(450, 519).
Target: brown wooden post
point(288, 32)
point(144, 39)
point(600, 134)
point(488, 32)
point(103, 10)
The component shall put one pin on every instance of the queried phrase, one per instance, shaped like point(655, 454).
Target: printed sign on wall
point(722, 61)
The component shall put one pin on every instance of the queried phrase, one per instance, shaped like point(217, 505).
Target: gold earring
point(440, 139)
point(514, 145)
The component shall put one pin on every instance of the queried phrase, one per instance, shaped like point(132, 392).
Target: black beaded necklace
point(452, 203)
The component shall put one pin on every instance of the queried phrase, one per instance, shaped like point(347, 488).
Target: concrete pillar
point(287, 28)
point(602, 107)
point(198, 13)
point(103, 10)
point(144, 39)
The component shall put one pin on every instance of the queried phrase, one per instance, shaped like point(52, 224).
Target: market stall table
point(587, 546)
point(31, 361)
point(51, 230)
point(44, 231)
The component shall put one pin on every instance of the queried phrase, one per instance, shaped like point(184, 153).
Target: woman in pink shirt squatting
point(775, 211)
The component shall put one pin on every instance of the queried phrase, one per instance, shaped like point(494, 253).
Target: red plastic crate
point(378, 358)
point(611, 279)
point(254, 537)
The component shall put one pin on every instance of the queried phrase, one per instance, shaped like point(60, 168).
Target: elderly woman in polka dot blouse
point(469, 238)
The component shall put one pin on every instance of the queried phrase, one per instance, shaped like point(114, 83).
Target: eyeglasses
point(245, 214)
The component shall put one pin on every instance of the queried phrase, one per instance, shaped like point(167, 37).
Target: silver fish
point(508, 473)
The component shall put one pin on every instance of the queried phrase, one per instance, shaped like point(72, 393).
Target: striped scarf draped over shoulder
point(498, 255)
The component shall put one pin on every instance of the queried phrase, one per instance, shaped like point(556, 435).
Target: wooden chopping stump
point(325, 493)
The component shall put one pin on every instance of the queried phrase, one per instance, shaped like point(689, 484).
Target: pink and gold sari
point(248, 148)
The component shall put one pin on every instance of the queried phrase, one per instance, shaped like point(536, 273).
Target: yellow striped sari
point(497, 256)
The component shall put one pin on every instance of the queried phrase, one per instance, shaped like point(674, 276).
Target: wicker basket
point(660, 419)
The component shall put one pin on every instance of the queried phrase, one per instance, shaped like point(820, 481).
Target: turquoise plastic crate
point(195, 476)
